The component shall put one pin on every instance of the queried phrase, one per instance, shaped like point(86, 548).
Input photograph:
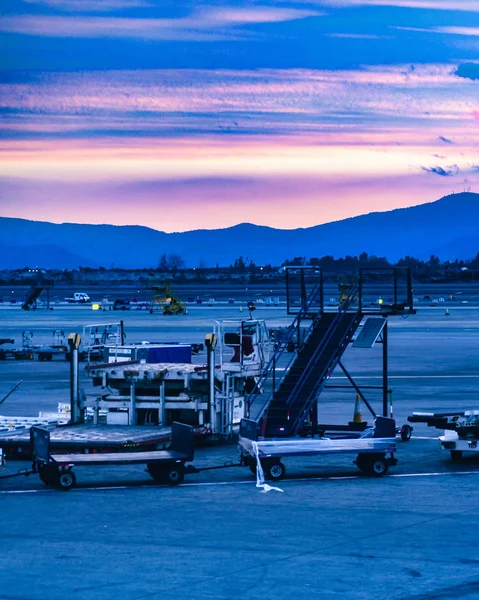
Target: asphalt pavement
point(332, 532)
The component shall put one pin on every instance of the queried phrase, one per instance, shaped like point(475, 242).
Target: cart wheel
point(456, 454)
point(48, 474)
point(157, 472)
point(274, 471)
point(66, 480)
point(252, 466)
point(175, 474)
point(362, 463)
point(406, 432)
point(378, 467)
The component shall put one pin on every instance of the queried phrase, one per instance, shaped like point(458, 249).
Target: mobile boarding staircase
point(35, 291)
point(287, 392)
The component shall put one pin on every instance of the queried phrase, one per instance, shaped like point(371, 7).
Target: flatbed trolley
point(85, 439)
point(164, 466)
point(375, 453)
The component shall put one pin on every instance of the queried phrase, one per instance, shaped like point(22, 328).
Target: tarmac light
point(223, 483)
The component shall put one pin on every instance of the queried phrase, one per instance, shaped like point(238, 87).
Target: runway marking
point(413, 377)
point(331, 378)
point(397, 376)
point(249, 482)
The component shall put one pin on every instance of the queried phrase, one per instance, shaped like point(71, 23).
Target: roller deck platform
point(164, 466)
point(88, 439)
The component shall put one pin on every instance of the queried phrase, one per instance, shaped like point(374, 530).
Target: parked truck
point(78, 298)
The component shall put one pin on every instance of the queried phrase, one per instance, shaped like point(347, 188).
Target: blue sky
point(183, 115)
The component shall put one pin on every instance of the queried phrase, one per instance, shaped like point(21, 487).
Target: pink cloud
point(299, 97)
point(91, 5)
point(463, 5)
point(346, 155)
point(205, 24)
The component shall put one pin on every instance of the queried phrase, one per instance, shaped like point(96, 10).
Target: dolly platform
point(164, 466)
point(375, 450)
point(85, 439)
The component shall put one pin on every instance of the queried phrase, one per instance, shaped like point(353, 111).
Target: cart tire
point(66, 480)
point(406, 432)
point(363, 463)
point(378, 467)
point(274, 471)
point(456, 454)
point(48, 474)
point(156, 472)
point(175, 474)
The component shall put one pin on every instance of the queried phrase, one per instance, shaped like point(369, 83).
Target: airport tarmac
point(331, 533)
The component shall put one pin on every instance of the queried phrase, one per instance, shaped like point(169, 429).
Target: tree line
point(242, 265)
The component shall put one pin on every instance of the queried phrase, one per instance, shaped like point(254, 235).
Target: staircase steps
point(298, 391)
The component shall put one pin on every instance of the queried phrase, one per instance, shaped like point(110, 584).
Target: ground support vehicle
point(57, 348)
point(461, 430)
point(458, 445)
point(375, 450)
point(78, 298)
point(164, 466)
point(23, 353)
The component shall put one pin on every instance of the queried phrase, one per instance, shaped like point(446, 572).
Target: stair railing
point(322, 345)
point(270, 369)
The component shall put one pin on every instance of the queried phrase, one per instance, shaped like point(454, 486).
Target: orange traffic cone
point(358, 417)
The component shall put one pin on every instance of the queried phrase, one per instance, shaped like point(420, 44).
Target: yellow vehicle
point(164, 300)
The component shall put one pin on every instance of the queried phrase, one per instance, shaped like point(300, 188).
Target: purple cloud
point(91, 5)
point(204, 24)
point(445, 140)
point(443, 172)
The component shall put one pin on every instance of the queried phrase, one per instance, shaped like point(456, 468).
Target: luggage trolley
point(164, 466)
point(375, 450)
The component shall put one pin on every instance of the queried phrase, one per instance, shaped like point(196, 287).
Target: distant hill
point(48, 256)
point(448, 228)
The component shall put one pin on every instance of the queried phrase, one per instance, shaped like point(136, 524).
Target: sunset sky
point(184, 115)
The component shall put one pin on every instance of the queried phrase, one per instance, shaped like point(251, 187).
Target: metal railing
point(270, 369)
point(320, 348)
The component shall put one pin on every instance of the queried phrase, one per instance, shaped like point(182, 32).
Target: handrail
point(325, 340)
point(283, 344)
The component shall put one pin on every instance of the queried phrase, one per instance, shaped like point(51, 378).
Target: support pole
point(303, 288)
point(385, 369)
point(162, 414)
point(76, 412)
point(274, 376)
point(395, 287)
point(210, 343)
point(321, 293)
point(132, 412)
point(360, 292)
point(287, 293)
point(410, 299)
point(314, 418)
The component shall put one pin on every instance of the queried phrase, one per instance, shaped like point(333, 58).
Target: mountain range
point(448, 228)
